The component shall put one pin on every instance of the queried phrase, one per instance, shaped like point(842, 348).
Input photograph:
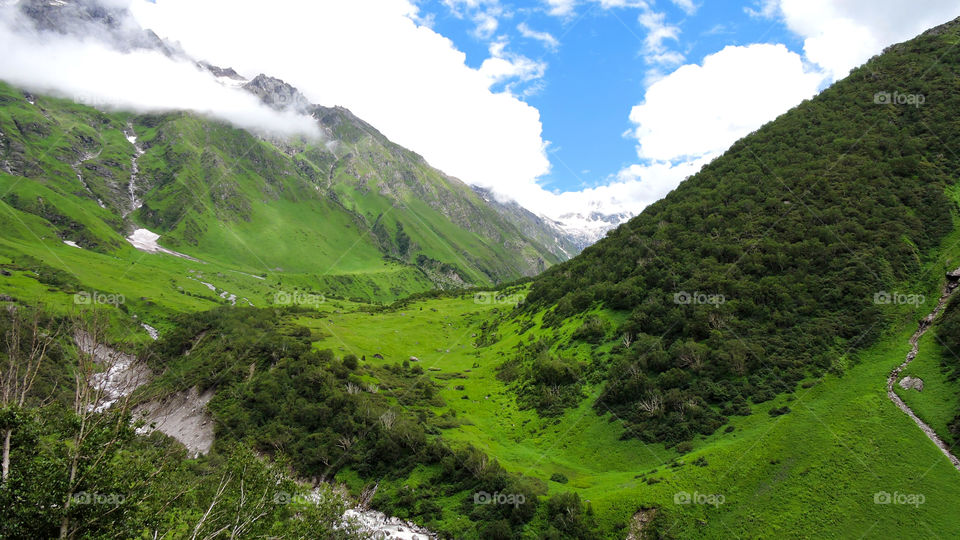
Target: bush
point(559, 478)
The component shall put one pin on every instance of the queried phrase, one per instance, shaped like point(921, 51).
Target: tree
point(97, 431)
point(26, 349)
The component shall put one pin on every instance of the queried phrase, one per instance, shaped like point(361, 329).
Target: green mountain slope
point(778, 258)
point(354, 216)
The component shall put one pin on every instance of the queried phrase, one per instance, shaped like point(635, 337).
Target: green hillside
point(374, 222)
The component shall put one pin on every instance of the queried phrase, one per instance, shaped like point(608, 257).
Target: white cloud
point(561, 8)
point(659, 31)
point(701, 110)
point(694, 114)
point(543, 37)
point(370, 56)
point(608, 4)
point(506, 67)
point(484, 13)
point(92, 72)
point(839, 35)
point(686, 5)
point(763, 9)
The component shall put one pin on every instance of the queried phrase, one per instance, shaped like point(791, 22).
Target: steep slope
point(221, 194)
point(773, 262)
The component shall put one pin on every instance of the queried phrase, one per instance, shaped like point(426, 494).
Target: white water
point(87, 157)
point(135, 203)
point(122, 375)
point(154, 335)
point(222, 293)
point(90, 191)
point(379, 525)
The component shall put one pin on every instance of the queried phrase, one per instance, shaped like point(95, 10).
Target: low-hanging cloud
point(87, 69)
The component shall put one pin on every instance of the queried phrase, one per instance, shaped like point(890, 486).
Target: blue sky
point(598, 70)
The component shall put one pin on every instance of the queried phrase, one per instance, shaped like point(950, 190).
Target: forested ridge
point(763, 268)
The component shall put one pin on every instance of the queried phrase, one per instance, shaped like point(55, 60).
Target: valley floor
point(842, 464)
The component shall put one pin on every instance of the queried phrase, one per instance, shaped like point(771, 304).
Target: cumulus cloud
point(512, 69)
point(92, 72)
point(700, 110)
point(560, 8)
point(687, 6)
point(484, 13)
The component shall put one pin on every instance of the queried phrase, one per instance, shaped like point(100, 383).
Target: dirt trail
point(925, 324)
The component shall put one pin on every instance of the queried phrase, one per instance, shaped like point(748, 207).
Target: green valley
point(213, 332)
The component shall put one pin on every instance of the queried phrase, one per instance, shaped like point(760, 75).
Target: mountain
point(762, 269)
point(586, 228)
point(351, 206)
point(546, 231)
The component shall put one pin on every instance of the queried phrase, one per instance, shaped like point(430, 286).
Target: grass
point(813, 472)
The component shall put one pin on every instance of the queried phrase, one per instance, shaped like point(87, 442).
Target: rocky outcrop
point(911, 383)
point(279, 95)
point(108, 22)
point(183, 416)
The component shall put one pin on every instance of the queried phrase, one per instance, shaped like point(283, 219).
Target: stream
point(134, 170)
point(953, 279)
point(83, 158)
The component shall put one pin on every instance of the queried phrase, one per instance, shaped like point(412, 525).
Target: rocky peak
point(220, 72)
point(92, 18)
point(278, 94)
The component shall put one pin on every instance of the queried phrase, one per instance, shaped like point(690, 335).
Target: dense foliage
point(763, 267)
point(285, 398)
point(78, 473)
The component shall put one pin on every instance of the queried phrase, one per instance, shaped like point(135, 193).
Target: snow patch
point(71, 243)
point(222, 293)
point(145, 240)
